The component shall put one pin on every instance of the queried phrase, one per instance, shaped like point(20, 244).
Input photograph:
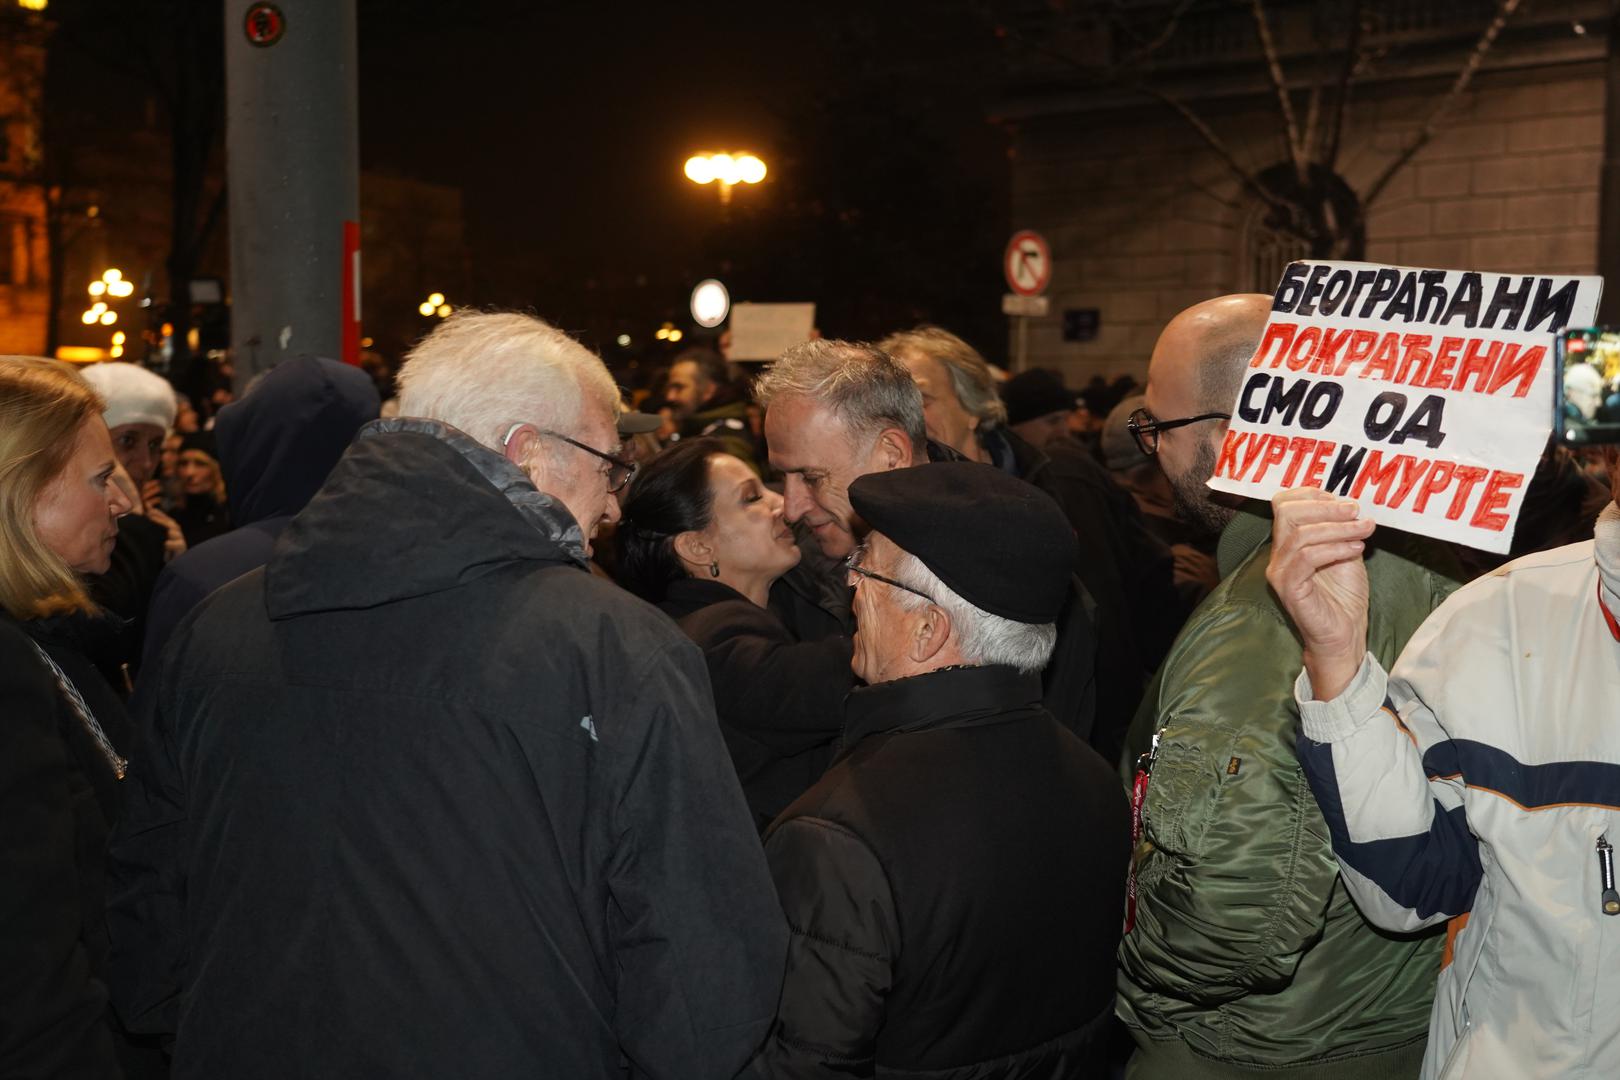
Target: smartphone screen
point(1589, 385)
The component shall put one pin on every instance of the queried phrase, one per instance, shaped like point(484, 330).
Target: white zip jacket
point(1474, 784)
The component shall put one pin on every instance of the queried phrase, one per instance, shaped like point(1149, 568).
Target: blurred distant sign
point(1027, 263)
point(1013, 304)
point(766, 331)
point(264, 24)
point(1081, 324)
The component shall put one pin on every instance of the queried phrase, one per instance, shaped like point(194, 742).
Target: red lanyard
point(1139, 789)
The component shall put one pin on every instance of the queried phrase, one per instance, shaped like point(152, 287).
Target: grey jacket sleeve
point(696, 930)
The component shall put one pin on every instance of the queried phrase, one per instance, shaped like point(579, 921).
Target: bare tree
point(1308, 200)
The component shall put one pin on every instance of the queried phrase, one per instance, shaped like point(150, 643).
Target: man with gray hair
point(954, 883)
point(1127, 571)
point(422, 796)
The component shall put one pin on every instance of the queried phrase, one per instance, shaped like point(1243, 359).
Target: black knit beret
point(999, 543)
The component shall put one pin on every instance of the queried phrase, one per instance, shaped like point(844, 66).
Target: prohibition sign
point(264, 25)
point(1027, 263)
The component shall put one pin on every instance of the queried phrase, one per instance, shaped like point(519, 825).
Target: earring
point(714, 569)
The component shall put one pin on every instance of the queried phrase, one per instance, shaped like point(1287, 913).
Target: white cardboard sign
point(766, 331)
point(1426, 395)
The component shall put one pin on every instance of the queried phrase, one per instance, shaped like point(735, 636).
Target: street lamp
point(434, 305)
point(727, 170)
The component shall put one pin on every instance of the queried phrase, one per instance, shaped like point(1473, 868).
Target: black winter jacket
point(58, 798)
point(955, 889)
point(780, 701)
point(276, 447)
point(425, 798)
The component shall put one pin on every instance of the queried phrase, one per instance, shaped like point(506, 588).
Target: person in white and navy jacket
point(1478, 782)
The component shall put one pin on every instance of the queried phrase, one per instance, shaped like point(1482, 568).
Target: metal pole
point(1022, 362)
point(293, 161)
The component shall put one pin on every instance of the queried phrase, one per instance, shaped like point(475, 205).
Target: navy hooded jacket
point(276, 447)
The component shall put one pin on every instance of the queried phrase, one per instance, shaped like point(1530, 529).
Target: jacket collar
point(688, 594)
point(463, 510)
point(953, 697)
point(1243, 536)
point(1606, 549)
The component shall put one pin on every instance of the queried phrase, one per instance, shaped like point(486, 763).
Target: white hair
point(482, 371)
point(981, 638)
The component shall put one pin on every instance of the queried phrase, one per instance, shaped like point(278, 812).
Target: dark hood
point(278, 444)
point(414, 507)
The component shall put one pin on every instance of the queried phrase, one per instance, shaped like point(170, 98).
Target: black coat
point(1127, 571)
point(955, 887)
point(276, 447)
point(780, 700)
point(426, 798)
point(58, 798)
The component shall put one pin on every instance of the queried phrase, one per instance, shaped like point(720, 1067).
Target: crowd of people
point(876, 715)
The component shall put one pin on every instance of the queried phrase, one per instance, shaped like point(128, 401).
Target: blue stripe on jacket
point(1534, 787)
point(1437, 872)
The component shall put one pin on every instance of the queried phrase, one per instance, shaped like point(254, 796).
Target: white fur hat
point(133, 394)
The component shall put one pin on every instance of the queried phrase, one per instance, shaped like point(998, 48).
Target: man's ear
point(522, 448)
point(691, 547)
point(892, 451)
point(929, 633)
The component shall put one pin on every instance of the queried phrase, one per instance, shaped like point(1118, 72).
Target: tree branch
point(1159, 40)
point(1444, 105)
point(1296, 152)
point(1249, 179)
point(1347, 74)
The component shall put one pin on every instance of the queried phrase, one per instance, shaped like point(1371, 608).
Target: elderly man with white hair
point(422, 796)
point(955, 883)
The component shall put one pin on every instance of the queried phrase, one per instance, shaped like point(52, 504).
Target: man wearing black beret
point(955, 882)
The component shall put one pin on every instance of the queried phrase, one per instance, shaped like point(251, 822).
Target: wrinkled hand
point(1317, 572)
point(175, 542)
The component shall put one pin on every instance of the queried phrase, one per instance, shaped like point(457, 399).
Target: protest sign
point(766, 331)
point(1426, 395)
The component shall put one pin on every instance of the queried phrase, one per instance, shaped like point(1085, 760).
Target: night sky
point(566, 126)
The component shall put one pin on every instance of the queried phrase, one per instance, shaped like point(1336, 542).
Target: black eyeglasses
point(619, 470)
point(1145, 429)
point(852, 563)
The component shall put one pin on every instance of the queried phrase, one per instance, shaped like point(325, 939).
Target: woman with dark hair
point(704, 539)
point(64, 732)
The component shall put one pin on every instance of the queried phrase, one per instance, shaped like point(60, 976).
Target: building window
point(11, 248)
point(1265, 251)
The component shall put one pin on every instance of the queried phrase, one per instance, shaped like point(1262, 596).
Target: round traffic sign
point(264, 24)
point(1027, 263)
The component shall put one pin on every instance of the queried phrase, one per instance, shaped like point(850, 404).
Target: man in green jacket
point(1247, 957)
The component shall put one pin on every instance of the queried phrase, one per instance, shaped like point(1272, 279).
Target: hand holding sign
point(1317, 572)
point(1425, 395)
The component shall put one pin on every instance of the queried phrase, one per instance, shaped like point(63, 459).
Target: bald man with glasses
point(1244, 955)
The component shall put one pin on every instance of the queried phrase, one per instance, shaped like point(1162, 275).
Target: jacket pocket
point(1184, 790)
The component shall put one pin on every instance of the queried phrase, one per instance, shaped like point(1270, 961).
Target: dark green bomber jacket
point(1248, 953)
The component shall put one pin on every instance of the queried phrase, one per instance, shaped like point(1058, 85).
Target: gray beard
point(1191, 498)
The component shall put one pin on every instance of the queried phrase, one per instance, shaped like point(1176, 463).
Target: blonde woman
point(63, 732)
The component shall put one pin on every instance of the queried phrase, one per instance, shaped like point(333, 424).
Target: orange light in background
point(80, 354)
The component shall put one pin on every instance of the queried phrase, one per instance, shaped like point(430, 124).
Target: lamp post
point(725, 169)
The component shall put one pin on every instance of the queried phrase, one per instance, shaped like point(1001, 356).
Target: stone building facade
point(1145, 219)
point(24, 261)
